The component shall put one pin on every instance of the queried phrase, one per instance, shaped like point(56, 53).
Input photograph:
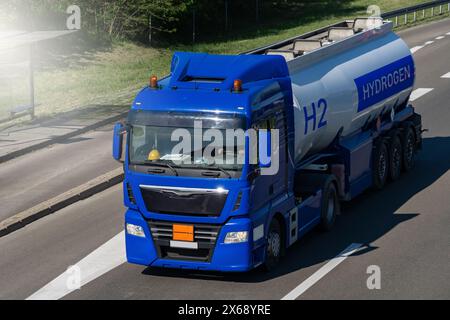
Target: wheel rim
point(274, 244)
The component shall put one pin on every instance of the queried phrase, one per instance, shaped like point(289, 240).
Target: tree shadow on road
point(363, 220)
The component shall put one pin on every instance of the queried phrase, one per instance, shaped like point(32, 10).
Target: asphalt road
point(404, 229)
point(46, 173)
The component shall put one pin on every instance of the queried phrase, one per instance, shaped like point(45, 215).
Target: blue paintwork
point(233, 185)
point(309, 213)
point(117, 141)
point(385, 82)
point(227, 257)
point(356, 152)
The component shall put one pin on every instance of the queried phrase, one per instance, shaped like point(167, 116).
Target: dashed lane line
point(415, 49)
point(440, 37)
point(418, 93)
point(446, 76)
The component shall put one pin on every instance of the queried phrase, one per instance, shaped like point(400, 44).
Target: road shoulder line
point(102, 260)
point(324, 270)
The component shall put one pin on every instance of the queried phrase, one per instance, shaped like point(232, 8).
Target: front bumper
point(224, 257)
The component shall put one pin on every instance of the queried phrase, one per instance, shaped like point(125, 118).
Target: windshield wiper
point(161, 164)
point(220, 169)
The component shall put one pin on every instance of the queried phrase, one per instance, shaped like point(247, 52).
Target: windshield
point(176, 140)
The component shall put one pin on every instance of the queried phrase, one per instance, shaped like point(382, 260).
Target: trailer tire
point(380, 164)
point(329, 206)
point(395, 157)
point(409, 149)
point(274, 245)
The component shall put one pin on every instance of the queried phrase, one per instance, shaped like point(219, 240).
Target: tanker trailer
point(353, 80)
point(334, 105)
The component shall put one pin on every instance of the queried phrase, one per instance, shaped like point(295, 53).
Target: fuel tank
point(342, 86)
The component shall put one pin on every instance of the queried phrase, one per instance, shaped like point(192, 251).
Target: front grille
point(204, 234)
point(183, 201)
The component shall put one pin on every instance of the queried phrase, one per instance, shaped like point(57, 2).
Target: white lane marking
point(416, 94)
point(415, 49)
point(448, 33)
point(319, 274)
point(429, 42)
point(103, 259)
point(440, 38)
point(446, 76)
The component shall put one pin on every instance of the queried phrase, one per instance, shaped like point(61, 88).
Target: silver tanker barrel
point(343, 77)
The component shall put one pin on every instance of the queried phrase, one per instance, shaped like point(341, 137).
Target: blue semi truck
point(338, 101)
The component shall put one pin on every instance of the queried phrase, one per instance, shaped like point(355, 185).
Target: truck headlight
point(135, 230)
point(236, 237)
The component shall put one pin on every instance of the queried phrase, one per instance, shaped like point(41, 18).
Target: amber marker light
point(153, 82)
point(237, 85)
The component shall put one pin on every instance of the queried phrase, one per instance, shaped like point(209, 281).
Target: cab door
point(264, 188)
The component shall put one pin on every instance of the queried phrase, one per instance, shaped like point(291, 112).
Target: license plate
point(183, 244)
point(183, 232)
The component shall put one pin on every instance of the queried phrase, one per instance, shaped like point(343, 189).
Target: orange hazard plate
point(183, 232)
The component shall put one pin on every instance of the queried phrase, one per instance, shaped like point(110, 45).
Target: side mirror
point(264, 148)
point(119, 131)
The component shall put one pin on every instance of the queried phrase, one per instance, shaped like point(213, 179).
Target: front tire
point(274, 245)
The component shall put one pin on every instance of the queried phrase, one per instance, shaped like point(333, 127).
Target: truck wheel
point(274, 245)
point(380, 164)
point(395, 157)
point(329, 207)
point(409, 149)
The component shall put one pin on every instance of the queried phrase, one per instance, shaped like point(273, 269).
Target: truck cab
point(186, 211)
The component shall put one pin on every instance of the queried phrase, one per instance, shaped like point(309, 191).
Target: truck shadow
point(363, 220)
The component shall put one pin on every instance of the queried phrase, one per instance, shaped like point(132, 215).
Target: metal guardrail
point(417, 12)
point(433, 7)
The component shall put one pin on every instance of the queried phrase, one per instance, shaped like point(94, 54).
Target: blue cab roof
point(201, 82)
